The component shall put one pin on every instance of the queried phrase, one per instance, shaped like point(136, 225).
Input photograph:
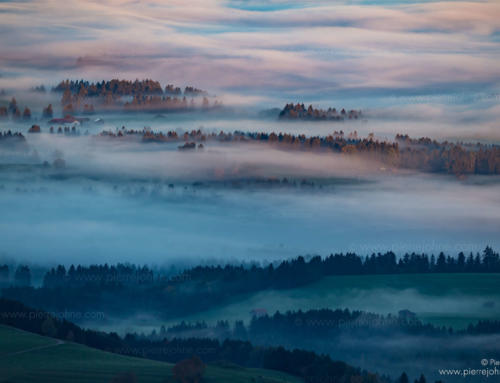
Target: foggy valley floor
point(126, 196)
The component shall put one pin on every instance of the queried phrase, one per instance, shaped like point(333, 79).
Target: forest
point(130, 96)
point(116, 95)
point(306, 364)
point(124, 88)
point(300, 112)
point(319, 324)
point(110, 288)
point(421, 154)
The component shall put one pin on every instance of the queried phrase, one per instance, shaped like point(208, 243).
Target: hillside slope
point(441, 299)
point(27, 357)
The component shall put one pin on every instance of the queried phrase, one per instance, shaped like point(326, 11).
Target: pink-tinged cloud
point(322, 46)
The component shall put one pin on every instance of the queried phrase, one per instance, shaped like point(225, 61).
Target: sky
point(258, 51)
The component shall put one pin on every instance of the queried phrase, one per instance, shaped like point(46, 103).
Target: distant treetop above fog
point(131, 96)
point(423, 154)
point(300, 112)
point(124, 88)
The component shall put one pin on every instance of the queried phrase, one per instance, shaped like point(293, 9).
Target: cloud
point(280, 47)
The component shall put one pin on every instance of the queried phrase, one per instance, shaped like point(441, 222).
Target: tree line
point(8, 137)
point(112, 288)
point(300, 112)
point(311, 269)
point(14, 111)
point(124, 88)
point(422, 154)
point(146, 95)
point(308, 365)
point(295, 327)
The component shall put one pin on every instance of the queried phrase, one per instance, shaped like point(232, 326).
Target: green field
point(23, 360)
point(444, 299)
point(10, 344)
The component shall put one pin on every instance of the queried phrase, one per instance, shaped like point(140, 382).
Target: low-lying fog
point(417, 121)
point(123, 200)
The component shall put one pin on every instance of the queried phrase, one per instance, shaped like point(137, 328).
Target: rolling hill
point(27, 357)
point(441, 299)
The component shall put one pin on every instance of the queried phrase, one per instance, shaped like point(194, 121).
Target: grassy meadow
point(442, 299)
point(70, 362)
